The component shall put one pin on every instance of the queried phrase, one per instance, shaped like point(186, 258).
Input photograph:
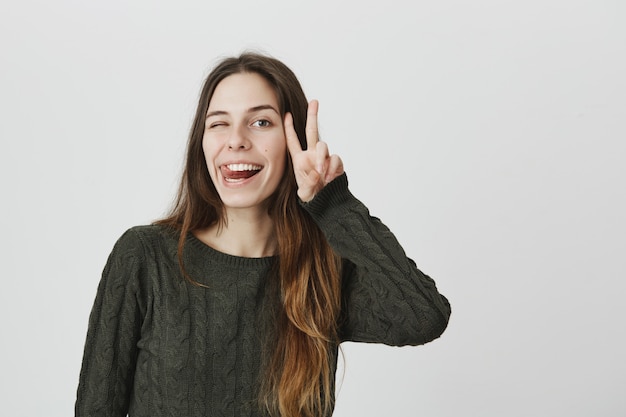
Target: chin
point(244, 203)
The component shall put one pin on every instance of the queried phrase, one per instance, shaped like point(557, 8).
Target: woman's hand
point(314, 168)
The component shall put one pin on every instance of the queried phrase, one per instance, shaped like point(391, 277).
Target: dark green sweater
point(158, 346)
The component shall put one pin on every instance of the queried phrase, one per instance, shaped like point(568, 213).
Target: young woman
point(236, 303)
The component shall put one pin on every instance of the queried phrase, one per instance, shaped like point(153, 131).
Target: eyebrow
point(250, 110)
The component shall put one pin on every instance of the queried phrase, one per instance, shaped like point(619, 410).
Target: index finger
point(293, 144)
point(312, 134)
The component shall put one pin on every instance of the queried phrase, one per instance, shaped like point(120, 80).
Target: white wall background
point(489, 135)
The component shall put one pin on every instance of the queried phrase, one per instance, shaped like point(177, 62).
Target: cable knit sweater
point(158, 346)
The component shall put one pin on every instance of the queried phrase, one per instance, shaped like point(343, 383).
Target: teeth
point(243, 167)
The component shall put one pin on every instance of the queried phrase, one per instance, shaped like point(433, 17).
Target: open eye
point(262, 123)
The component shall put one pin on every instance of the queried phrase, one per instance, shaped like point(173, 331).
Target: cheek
point(210, 153)
point(276, 150)
point(282, 162)
point(208, 147)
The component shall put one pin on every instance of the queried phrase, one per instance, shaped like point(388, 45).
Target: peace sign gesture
point(314, 168)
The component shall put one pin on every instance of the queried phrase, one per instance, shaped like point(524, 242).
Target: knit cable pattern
point(158, 346)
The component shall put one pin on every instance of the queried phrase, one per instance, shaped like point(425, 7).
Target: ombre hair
point(297, 373)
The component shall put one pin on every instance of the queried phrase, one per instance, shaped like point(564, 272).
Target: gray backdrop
point(488, 135)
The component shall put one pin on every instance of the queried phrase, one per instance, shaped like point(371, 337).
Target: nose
point(238, 139)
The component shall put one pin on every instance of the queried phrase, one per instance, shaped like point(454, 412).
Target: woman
point(236, 303)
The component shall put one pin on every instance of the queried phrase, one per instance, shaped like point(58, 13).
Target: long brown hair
point(297, 375)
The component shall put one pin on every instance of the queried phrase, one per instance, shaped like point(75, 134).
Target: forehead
point(241, 92)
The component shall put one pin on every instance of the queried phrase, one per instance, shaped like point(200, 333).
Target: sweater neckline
point(226, 259)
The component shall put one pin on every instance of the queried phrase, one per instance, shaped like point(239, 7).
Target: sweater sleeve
point(386, 298)
point(108, 365)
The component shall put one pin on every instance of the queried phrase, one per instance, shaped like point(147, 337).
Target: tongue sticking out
point(230, 174)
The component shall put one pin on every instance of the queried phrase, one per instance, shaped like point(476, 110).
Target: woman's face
point(244, 140)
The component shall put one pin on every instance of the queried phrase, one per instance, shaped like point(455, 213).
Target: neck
point(246, 233)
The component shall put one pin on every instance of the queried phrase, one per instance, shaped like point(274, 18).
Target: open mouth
point(239, 172)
